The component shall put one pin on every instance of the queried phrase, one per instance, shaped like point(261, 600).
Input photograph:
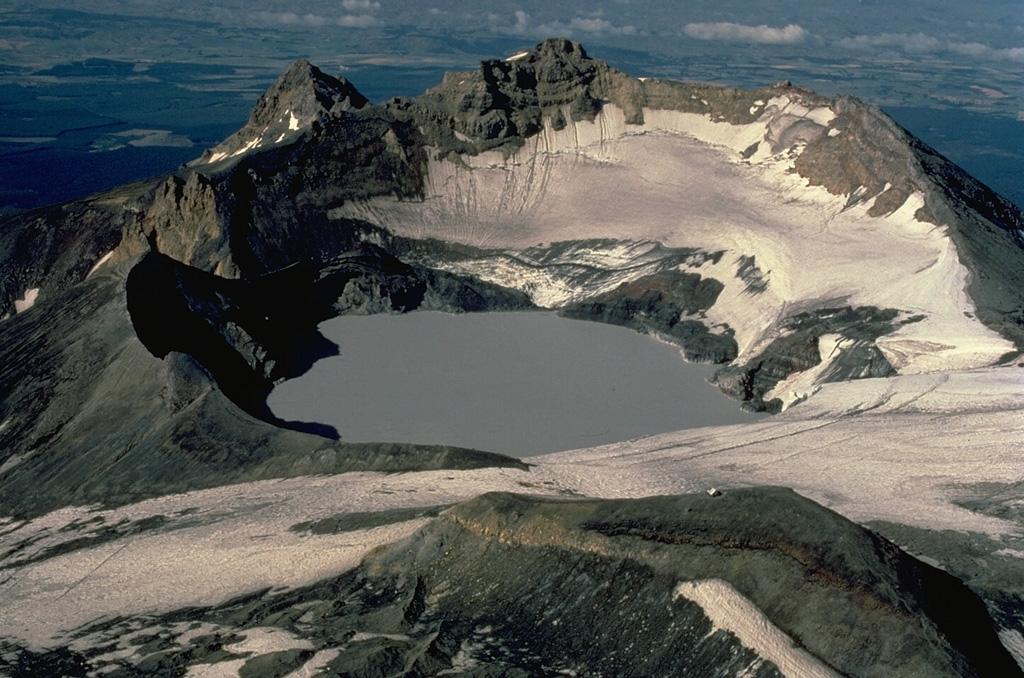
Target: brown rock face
point(183, 223)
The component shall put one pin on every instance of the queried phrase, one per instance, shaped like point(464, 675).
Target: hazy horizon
point(114, 91)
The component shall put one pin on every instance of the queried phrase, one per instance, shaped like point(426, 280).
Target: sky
point(984, 34)
point(951, 72)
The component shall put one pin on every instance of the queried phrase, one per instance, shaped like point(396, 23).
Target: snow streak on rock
point(730, 611)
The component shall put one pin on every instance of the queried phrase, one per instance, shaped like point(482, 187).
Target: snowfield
point(681, 180)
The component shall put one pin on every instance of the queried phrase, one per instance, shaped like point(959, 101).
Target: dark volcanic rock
point(54, 248)
point(303, 96)
point(664, 304)
point(504, 102)
point(251, 334)
point(797, 350)
point(269, 210)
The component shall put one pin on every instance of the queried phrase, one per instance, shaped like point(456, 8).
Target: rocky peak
point(560, 48)
point(302, 96)
point(507, 100)
point(558, 60)
point(305, 92)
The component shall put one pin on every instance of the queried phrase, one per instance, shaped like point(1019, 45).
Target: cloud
point(522, 21)
point(292, 19)
point(313, 20)
point(357, 21)
point(361, 13)
point(359, 5)
point(730, 32)
point(908, 42)
point(593, 26)
point(919, 43)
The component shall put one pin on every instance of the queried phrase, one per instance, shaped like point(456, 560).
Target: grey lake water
point(522, 384)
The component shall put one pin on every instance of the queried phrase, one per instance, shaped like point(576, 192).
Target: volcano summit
point(846, 278)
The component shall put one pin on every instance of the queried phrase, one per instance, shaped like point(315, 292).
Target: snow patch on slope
point(1013, 641)
point(102, 260)
point(27, 301)
point(729, 611)
point(224, 669)
point(271, 135)
point(265, 639)
point(13, 460)
point(316, 665)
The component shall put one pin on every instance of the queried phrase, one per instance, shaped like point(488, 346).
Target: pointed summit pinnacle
point(302, 95)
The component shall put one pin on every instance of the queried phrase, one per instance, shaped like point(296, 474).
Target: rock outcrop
point(799, 349)
point(663, 305)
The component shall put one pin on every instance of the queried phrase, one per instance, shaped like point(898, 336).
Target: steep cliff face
point(182, 222)
point(504, 102)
